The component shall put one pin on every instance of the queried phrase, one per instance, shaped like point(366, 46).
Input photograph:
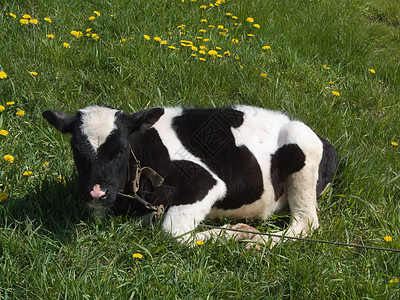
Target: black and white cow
point(238, 162)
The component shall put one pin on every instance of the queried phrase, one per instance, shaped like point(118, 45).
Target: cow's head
point(100, 144)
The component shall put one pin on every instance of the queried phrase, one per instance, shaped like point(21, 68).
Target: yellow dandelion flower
point(33, 21)
point(235, 17)
point(2, 108)
point(228, 14)
point(164, 42)
point(222, 33)
point(199, 242)
point(263, 75)
point(335, 93)
point(3, 196)
point(48, 20)
point(202, 47)
point(326, 67)
point(12, 15)
point(206, 40)
point(212, 53)
point(61, 179)
point(250, 35)
point(235, 41)
point(137, 255)
point(202, 59)
point(33, 73)
point(26, 16)
point(10, 103)
point(394, 144)
point(256, 26)
point(77, 34)
point(91, 18)
point(388, 238)
point(202, 30)
point(250, 20)
point(202, 52)
point(146, 37)
point(227, 53)
point(203, 6)
point(24, 21)
point(8, 158)
point(3, 132)
point(3, 75)
point(266, 47)
point(50, 36)
point(194, 54)
point(96, 13)
point(95, 36)
point(66, 45)
point(88, 30)
point(194, 48)
point(20, 113)
point(211, 26)
point(203, 20)
point(394, 280)
point(220, 27)
point(172, 47)
point(372, 71)
point(330, 82)
point(45, 164)
point(157, 39)
point(27, 173)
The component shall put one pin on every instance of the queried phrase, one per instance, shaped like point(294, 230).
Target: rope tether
point(304, 239)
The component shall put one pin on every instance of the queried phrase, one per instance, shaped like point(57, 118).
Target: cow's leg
point(300, 186)
point(180, 220)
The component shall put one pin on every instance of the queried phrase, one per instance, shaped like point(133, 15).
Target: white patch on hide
point(97, 124)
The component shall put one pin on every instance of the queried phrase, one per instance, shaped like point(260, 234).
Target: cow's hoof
point(258, 242)
point(241, 231)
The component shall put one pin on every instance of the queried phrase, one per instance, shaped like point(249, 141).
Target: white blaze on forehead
point(97, 124)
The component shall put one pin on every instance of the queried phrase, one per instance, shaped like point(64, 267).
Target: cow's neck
point(131, 179)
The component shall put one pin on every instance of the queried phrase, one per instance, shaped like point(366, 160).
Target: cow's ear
point(144, 119)
point(61, 121)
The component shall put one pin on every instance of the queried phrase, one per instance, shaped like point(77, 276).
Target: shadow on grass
point(52, 207)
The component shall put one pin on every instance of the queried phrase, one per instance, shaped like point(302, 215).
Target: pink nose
point(96, 192)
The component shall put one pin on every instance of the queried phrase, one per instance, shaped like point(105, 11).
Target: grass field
point(333, 64)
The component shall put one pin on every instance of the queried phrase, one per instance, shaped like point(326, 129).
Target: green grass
point(50, 248)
